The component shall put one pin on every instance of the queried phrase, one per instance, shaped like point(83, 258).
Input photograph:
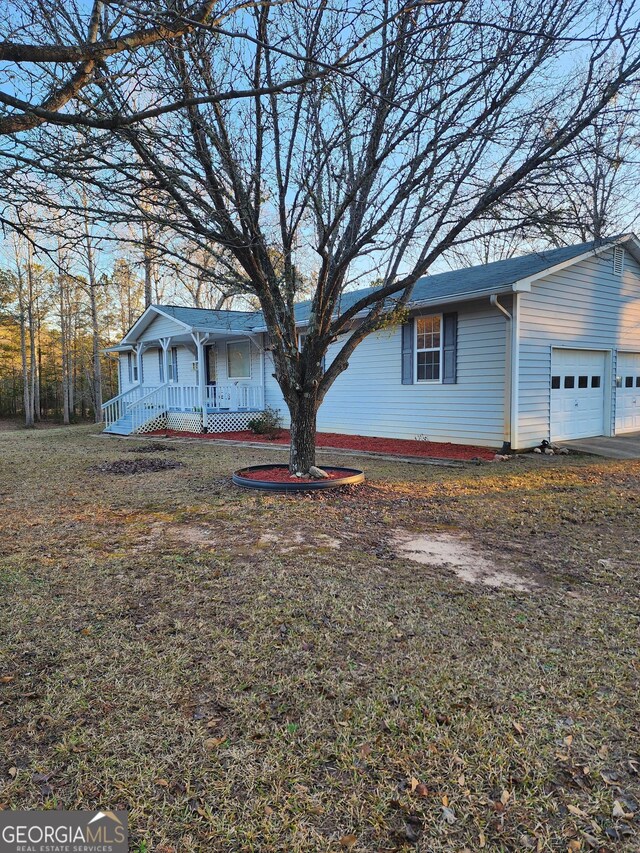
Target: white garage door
point(628, 392)
point(577, 394)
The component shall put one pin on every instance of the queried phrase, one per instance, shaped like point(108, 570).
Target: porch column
point(139, 351)
point(165, 343)
point(199, 340)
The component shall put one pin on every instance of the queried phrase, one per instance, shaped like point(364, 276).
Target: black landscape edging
point(352, 477)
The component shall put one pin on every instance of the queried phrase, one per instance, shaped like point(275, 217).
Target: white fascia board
point(225, 332)
point(118, 348)
point(145, 318)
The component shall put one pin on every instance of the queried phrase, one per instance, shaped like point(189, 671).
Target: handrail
point(148, 394)
point(139, 408)
point(113, 409)
point(120, 396)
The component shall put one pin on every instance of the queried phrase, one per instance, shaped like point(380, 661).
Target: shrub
point(267, 423)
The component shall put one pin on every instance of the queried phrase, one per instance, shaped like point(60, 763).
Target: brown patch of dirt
point(458, 554)
point(135, 466)
point(296, 539)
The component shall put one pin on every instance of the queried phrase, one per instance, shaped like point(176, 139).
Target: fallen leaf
point(348, 841)
point(576, 811)
point(268, 810)
point(482, 841)
point(568, 740)
point(505, 797)
point(6, 679)
point(445, 801)
point(13, 772)
point(162, 783)
point(421, 790)
point(214, 742)
point(414, 783)
point(603, 752)
point(461, 780)
point(618, 811)
point(518, 727)
point(574, 844)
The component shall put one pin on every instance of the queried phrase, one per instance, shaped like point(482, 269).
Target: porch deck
point(188, 408)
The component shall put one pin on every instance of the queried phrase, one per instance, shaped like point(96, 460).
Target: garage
point(577, 393)
point(628, 392)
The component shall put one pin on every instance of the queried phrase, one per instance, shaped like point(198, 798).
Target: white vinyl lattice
point(159, 422)
point(192, 422)
point(229, 421)
point(184, 421)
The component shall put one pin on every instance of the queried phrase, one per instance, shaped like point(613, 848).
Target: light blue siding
point(161, 327)
point(369, 398)
point(585, 306)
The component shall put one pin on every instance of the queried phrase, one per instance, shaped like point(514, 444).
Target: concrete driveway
point(613, 447)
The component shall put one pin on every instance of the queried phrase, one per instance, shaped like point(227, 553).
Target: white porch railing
point(116, 407)
point(234, 397)
point(143, 402)
point(183, 398)
point(148, 406)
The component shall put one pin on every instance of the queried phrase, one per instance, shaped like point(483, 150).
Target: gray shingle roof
point(206, 318)
point(479, 280)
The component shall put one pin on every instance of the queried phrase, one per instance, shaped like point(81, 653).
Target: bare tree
point(445, 117)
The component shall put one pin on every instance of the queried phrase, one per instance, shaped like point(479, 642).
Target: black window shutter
point(407, 353)
point(450, 348)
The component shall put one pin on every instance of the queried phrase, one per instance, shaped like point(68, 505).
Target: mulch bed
point(392, 446)
point(279, 474)
point(135, 466)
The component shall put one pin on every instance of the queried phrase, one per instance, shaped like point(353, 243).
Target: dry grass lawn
point(251, 672)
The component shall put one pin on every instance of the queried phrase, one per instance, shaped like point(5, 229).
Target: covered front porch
point(216, 408)
point(192, 380)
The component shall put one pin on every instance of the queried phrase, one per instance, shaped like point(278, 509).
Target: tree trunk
point(28, 407)
point(303, 413)
point(64, 359)
point(148, 265)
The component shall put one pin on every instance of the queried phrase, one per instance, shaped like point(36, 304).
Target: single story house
point(543, 346)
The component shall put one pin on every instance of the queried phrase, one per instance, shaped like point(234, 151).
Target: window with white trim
point(429, 348)
point(132, 360)
point(239, 360)
point(173, 364)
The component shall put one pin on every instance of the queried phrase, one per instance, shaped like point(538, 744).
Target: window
point(555, 382)
point(173, 364)
point(132, 362)
point(239, 360)
point(161, 366)
point(628, 382)
point(595, 381)
point(428, 348)
point(637, 381)
point(583, 381)
point(569, 381)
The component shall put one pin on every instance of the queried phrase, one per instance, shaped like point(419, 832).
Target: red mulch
point(282, 475)
point(392, 446)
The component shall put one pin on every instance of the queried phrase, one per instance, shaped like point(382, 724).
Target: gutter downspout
point(510, 388)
